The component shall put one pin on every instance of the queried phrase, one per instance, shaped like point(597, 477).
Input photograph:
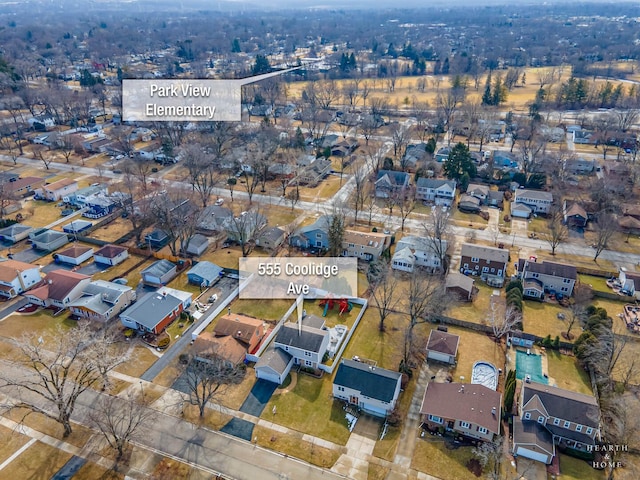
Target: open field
point(38, 213)
point(112, 231)
point(117, 271)
point(309, 408)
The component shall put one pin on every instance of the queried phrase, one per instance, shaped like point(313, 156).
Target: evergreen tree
point(459, 163)
point(261, 65)
point(487, 97)
point(235, 46)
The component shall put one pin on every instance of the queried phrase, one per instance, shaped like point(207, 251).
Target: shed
point(442, 347)
point(74, 255)
point(159, 273)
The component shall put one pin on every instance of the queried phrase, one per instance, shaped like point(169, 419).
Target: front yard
point(432, 457)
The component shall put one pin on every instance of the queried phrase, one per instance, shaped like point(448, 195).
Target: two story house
point(537, 200)
point(470, 410)
point(372, 389)
point(17, 277)
point(101, 300)
point(545, 277)
point(629, 283)
point(390, 182)
point(550, 417)
point(56, 190)
point(364, 245)
point(412, 251)
point(315, 235)
point(436, 191)
point(487, 262)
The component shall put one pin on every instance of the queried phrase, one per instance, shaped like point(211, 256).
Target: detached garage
point(531, 440)
point(274, 365)
point(442, 347)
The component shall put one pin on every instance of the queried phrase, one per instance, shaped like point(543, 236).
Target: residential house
point(111, 255)
point(271, 238)
point(274, 365)
point(248, 331)
point(14, 233)
point(504, 161)
point(371, 389)
point(551, 416)
point(152, 313)
point(575, 216)
point(101, 300)
point(315, 235)
point(77, 226)
point(487, 262)
point(442, 347)
point(520, 210)
point(17, 277)
point(74, 255)
point(245, 227)
point(48, 121)
point(185, 297)
point(364, 245)
point(630, 283)
point(48, 240)
point(56, 190)
point(213, 219)
point(156, 239)
point(479, 191)
point(159, 273)
point(198, 244)
point(537, 200)
point(580, 166)
point(314, 173)
point(58, 288)
point(23, 187)
point(495, 198)
point(469, 204)
point(470, 410)
point(462, 286)
point(79, 198)
point(204, 273)
point(228, 349)
point(583, 137)
point(545, 277)
point(413, 251)
point(391, 183)
point(413, 155)
point(100, 205)
point(442, 154)
point(436, 191)
point(306, 343)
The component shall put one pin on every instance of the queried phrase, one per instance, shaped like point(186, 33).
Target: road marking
point(18, 452)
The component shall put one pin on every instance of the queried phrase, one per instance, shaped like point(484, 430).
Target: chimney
point(493, 411)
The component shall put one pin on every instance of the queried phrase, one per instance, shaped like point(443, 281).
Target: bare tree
point(437, 230)
point(120, 421)
point(605, 226)
point(202, 173)
point(384, 294)
point(369, 202)
point(406, 205)
point(38, 152)
point(231, 184)
point(336, 220)
point(177, 214)
point(557, 231)
point(246, 228)
point(293, 197)
point(7, 197)
point(61, 368)
point(359, 191)
point(207, 377)
point(425, 298)
point(503, 320)
point(66, 147)
point(400, 138)
point(578, 304)
point(490, 454)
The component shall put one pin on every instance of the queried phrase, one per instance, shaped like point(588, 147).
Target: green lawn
point(309, 408)
point(596, 283)
point(567, 374)
point(575, 469)
point(541, 318)
point(433, 458)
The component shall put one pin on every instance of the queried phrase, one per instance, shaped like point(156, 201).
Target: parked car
point(219, 201)
point(66, 212)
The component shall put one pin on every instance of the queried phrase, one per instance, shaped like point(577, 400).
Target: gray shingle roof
point(485, 253)
point(274, 359)
point(159, 268)
point(207, 270)
point(373, 382)
point(152, 308)
point(304, 338)
point(572, 406)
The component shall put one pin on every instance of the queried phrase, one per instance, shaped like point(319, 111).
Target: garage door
point(440, 357)
point(525, 452)
point(380, 412)
point(270, 376)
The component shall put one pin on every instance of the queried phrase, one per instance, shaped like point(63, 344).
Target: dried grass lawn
point(141, 359)
point(10, 442)
point(39, 461)
point(433, 458)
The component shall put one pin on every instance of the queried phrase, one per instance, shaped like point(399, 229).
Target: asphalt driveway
point(258, 397)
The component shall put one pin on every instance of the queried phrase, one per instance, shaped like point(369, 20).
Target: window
point(308, 363)
point(475, 259)
point(564, 289)
point(556, 421)
point(500, 273)
point(465, 424)
point(534, 275)
point(527, 416)
point(351, 245)
point(540, 418)
point(307, 354)
point(483, 430)
point(485, 269)
point(434, 419)
point(567, 424)
point(493, 270)
point(589, 431)
point(466, 266)
point(341, 389)
point(318, 235)
point(567, 280)
point(578, 428)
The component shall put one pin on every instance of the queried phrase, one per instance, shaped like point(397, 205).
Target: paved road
point(172, 436)
point(11, 306)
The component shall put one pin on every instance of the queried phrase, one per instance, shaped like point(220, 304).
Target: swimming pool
point(530, 365)
point(485, 374)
